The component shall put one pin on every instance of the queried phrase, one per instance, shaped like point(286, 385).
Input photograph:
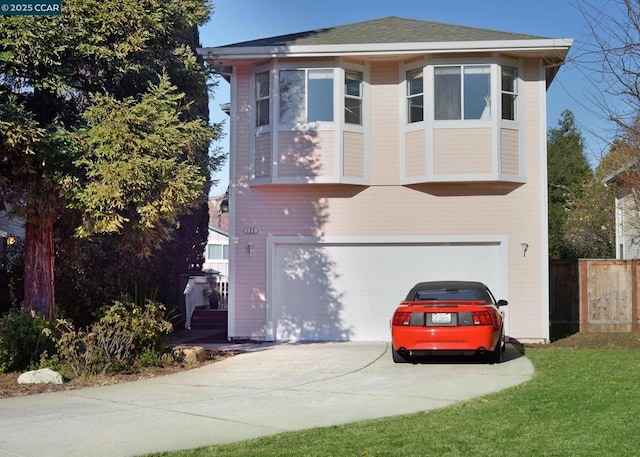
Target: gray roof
point(390, 29)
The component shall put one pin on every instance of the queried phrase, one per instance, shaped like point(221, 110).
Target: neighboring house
point(216, 255)
point(11, 228)
point(627, 214)
point(368, 157)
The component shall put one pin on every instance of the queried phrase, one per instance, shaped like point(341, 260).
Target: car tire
point(397, 357)
point(495, 356)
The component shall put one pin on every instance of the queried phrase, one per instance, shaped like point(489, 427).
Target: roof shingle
point(390, 29)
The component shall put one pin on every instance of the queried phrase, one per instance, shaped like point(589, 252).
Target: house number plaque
point(250, 230)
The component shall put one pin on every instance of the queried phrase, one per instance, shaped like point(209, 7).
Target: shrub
point(126, 336)
point(23, 340)
point(145, 324)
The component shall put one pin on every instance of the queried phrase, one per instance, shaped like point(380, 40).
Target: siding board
point(510, 151)
point(353, 155)
point(462, 151)
point(416, 161)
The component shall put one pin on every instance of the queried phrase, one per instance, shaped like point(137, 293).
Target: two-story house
point(368, 157)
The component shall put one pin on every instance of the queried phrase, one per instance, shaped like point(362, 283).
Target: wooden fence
point(593, 295)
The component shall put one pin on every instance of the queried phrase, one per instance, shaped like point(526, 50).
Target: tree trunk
point(39, 290)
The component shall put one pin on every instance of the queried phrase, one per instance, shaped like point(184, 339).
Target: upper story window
point(306, 96)
point(262, 99)
point(509, 89)
point(415, 95)
point(353, 97)
point(462, 92)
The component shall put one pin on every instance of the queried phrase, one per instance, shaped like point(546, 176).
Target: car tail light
point(401, 318)
point(482, 318)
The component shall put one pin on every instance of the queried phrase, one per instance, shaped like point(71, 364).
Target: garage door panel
point(344, 292)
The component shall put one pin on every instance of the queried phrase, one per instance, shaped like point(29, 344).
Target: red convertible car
point(450, 318)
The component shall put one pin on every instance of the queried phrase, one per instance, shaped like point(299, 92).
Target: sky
point(234, 21)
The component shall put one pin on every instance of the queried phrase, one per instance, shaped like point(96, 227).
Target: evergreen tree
point(96, 130)
point(567, 171)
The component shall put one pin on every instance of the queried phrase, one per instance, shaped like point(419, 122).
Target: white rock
point(42, 376)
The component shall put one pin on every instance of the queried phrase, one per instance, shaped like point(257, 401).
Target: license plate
point(441, 318)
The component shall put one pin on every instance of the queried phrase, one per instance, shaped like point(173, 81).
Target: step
point(206, 318)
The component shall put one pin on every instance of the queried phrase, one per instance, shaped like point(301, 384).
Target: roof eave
point(550, 48)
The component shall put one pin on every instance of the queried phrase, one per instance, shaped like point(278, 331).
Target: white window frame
point(514, 93)
point(301, 125)
point(518, 65)
point(359, 97)
point(257, 98)
point(258, 129)
point(463, 66)
point(408, 96)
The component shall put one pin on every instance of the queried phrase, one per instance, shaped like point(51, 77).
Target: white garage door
point(348, 292)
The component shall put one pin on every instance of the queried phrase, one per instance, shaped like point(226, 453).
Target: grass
point(580, 402)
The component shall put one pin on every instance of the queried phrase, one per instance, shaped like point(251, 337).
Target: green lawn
point(580, 402)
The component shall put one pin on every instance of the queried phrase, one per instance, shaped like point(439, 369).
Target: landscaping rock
point(190, 355)
point(42, 376)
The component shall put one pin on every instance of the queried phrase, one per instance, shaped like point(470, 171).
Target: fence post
point(634, 295)
point(584, 297)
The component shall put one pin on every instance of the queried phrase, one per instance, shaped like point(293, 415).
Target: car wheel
point(397, 357)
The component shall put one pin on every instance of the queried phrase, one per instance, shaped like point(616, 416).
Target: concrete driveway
point(272, 388)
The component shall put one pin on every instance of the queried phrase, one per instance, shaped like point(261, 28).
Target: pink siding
point(458, 151)
point(385, 136)
point(525, 273)
point(386, 208)
point(308, 153)
point(353, 155)
point(415, 153)
point(510, 151)
point(262, 159)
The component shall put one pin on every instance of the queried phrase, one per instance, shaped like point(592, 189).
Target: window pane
point(477, 90)
point(291, 96)
point(262, 85)
point(320, 95)
point(509, 107)
point(415, 82)
point(415, 109)
point(509, 76)
point(353, 83)
point(225, 252)
point(214, 252)
point(353, 111)
point(262, 114)
point(447, 96)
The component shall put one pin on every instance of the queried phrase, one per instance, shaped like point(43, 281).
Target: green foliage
point(23, 339)
point(589, 231)
point(145, 324)
point(138, 166)
point(567, 170)
point(89, 70)
point(126, 336)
